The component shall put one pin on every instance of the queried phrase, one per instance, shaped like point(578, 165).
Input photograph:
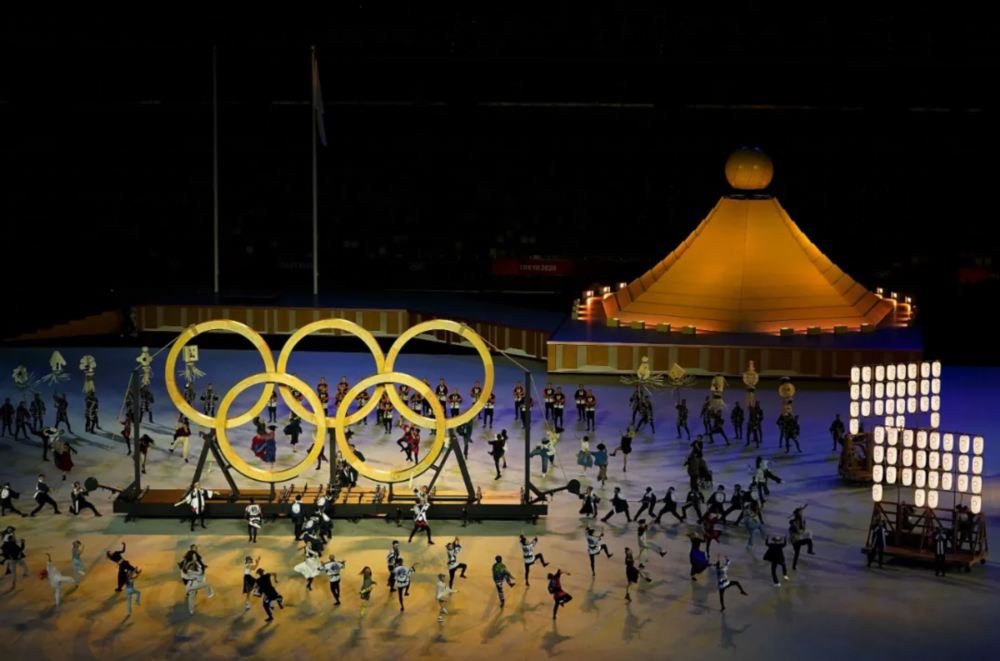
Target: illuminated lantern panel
point(936, 386)
point(932, 499)
point(854, 426)
point(946, 482)
point(925, 370)
point(907, 457)
point(963, 483)
point(920, 479)
point(879, 434)
point(919, 498)
point(890, 406)
point(890, 372)
point(978, 444)
point(936, 369)
point(976, 506)
point(932, 479)
point(890, 389)
point(855, 374)
point(911, 405)
point(921, 439)
point(900, 421)
point(977, 484)
point(949, 442)
point(855, 409)
point(925, 404)
point(907, 477)
point(946, 462)
point(879, 407)
point(879, 390)
point(866, 374)
point(911, 372)
point(890, 421)
point(900, 405)
point(935, 440)
point(925, 388)
point(890, 475)
point(935, 420)
point(935, 403)
point(877, 473)
point(908, 438)
point(934, 461)
point(877, 493)
point(866, 391)
point(921, 459)
point(892, 435)
point(866, 408)
point(963, 463)
point(891, 456)
point(977, 465)
point(880, 372)
point(900, 372)
point(963, 443)
point(878, 454)
point(911, 389)
point(855, 393)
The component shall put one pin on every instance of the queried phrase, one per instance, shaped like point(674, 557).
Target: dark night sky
point(108, 139)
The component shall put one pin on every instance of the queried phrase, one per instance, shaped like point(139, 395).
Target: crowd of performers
point(710, 508)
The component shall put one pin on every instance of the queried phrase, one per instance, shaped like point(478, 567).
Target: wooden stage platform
point(351, 504)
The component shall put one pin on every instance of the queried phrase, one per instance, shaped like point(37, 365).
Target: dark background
point(595, 132)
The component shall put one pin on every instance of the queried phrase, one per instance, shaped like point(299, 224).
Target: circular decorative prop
point(237, 462)
point(439, 422)
point(332, 324)
point(749, 168)
point(194, 331)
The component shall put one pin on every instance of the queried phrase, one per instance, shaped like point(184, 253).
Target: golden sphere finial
point(749, 168)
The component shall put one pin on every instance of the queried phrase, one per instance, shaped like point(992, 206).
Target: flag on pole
point(318, 102)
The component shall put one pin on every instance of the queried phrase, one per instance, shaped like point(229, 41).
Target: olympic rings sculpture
point(384, 379)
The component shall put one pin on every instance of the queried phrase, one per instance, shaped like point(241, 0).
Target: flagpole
point(313, 119)
point(215, 168)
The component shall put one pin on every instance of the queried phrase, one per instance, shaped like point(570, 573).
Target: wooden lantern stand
point(856, 460)
point(913, 537)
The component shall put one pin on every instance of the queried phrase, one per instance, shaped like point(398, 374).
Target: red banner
point(532, 267)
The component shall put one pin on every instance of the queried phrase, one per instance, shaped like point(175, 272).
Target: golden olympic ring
point(242, 466)
point(340, 324)
point(194, 331)
point(404, 474)
point(459, 329)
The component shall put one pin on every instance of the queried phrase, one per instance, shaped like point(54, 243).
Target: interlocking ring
point(194, 331)
point(405, 474)
point(385, 377)
point(237, 461)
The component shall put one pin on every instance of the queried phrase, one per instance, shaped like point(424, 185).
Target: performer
point(294, 429)
point(42, 497)
point(735, 504)
point(441, 595)
point(454, 548)
point(333, 569)
point(528, 551)
point(298, 516)
point(342, 387)
point(195, 499)
point(37, 410)
point(264, 447)
point(548, 397)
point(488, 407)
point(706, 414)
point(644, 544)
point(696, 556)
point(800, 534)
point(497, 445)
point(583, 457)
point(79, 569)
point(272, 416)
point(403, 575)
point(590, 501)
point(717, 502)
point(22, 420)
point(527, 405)
point(209, 399)
point(193, 575)
point(711, 533)
point(625, 446)
point(941, 543)
point(694, 499)
point(595, 544)
point(465, 431)
point(633, 573)
point(782, 424)
point(501, 576)
point(722, 572)
point(837, 432)
point(879, 537)
point(618, 505)
point(324, 401)
point(390, 562)
point(420, 522)
point(775, 554)
point(265, 585)
point(310, 568)
point(601, 461)
point(635, 401)
point(590, 404)
point(124, 567)
point(253, 515)
point(7, 495)
point(189, 393)
point(648, 502)
point(61, 416)
point(558, 407)
point(78, 500)
point(581, 407)
point(7, 416)
point(55, 578)
point(646, 413)
point(441, 391)
point(736, 417)
point(669, 506)
point(146, 398)
point(716, 426)
point(367, 585)
point(518, 396)
point(559, 596)
point(754, 425)
point(546, 450)
point(755, 521)
point(182, 437)
point(455, 402)
point(249, 582)
point(130, 590)
point(750, 379)
point(91, 406)
point(360, 400)
point(13, 555)
point(387, 409)
point(792, 432)
point(145, 442)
